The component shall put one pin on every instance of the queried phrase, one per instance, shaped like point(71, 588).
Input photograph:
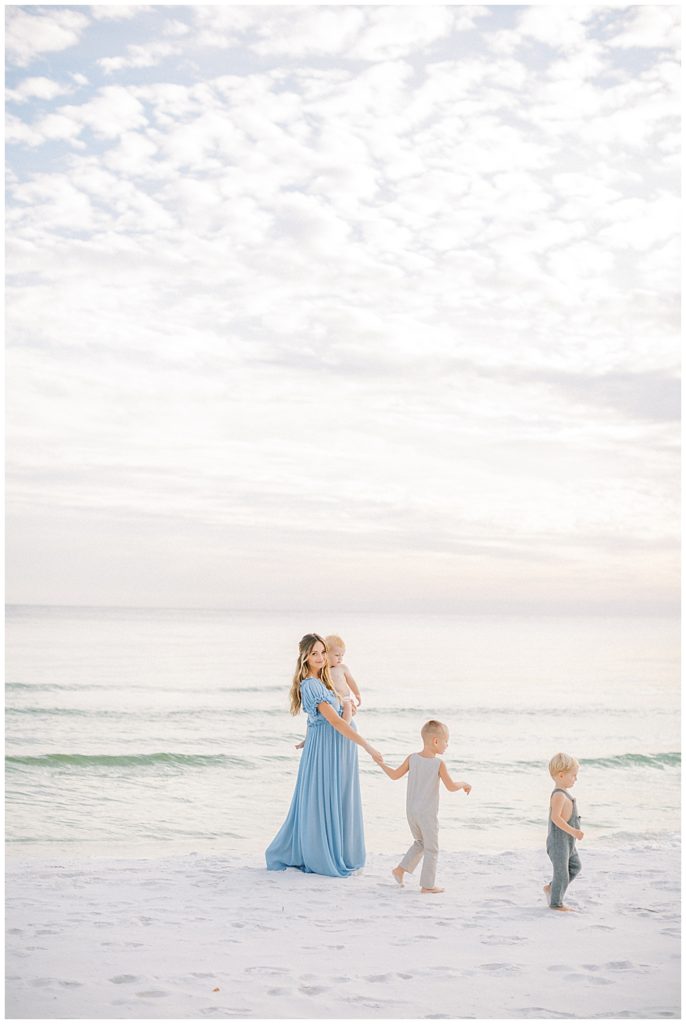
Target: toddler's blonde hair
point(433, 728)
point(562, 763)
point(335, 641)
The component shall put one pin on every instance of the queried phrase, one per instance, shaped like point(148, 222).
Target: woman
point(323, 831)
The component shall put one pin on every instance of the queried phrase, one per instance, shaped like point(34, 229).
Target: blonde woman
point(323, 832)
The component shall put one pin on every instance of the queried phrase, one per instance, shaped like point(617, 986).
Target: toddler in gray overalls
point(563, 830)
point(425, 770)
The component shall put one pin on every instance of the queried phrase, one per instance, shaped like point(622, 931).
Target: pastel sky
point(343, 307)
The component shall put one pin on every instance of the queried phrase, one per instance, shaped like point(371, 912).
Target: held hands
point(374, 754)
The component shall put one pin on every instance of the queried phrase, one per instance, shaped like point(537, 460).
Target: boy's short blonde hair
point(562, 763)
point(335, 641)
point(433, 728)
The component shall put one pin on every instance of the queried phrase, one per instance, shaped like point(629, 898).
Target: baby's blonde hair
point(562, 763)
point(433, 728)
point(335, 641)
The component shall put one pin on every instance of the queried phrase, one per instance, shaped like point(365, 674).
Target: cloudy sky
point(343, 306)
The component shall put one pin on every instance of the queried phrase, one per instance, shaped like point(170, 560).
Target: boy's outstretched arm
point(449, 784)
point(351, 682)
point(397, 773)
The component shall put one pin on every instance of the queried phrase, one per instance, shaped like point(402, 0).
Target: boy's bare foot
point(546, 890)
point(564, 909)
point(398, 875)
point(434, 888)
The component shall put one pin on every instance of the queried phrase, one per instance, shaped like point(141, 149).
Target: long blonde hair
point(302, 671)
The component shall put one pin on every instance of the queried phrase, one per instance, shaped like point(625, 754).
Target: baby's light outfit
point(422, 817)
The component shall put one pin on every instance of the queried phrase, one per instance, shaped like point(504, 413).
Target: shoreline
point(189, 936)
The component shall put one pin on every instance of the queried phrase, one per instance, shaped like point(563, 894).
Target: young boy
point(425, 769)
point(563, 830)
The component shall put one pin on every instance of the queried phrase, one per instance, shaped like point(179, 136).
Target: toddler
point(563, 830)
point(425, 769)
point(341, 677)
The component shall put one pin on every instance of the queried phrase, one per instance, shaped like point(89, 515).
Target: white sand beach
point(196, 936)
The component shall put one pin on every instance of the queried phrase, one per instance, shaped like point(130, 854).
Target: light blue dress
point(323, 832)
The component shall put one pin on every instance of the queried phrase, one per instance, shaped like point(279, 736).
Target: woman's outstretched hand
point(374, 754)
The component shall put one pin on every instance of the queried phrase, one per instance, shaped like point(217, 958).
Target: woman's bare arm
point(334, 719)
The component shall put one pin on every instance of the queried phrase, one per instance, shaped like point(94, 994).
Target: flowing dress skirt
point(323, 832)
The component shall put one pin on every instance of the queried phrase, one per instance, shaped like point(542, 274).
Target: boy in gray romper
point(563, 830)
point(425, 769)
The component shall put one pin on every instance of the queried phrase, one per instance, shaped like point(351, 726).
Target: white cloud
point(393, 32)
point(37, 88)
point(145, 56)
point(298, 31)
point(561, 27)
point(175, 28)
point(649, 26)
point(117, 12)
point(27, 35)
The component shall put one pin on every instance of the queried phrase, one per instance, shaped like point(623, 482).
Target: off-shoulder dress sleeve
point(312, 693)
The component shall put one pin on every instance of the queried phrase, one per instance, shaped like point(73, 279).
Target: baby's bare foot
point(546, 890)
point(398, 875)
point(434, 888)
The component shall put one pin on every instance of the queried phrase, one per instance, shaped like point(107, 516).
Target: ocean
point(149, 732)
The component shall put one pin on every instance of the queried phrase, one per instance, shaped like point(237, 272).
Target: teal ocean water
point(148, 732)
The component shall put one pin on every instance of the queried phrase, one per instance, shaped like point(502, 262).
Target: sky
point(343, 307)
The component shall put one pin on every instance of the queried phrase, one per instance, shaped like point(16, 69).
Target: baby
point(341, 677)
point(563, 830)
point(425, 769)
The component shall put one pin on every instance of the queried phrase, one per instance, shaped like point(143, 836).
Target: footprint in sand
point(47, 982)
point(153, 993)
point(500, 968)
point(313, 990)
point(267, 970)
point(125, 979)
point(223, 1012)
point(541, 1011)
point(591, 979)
